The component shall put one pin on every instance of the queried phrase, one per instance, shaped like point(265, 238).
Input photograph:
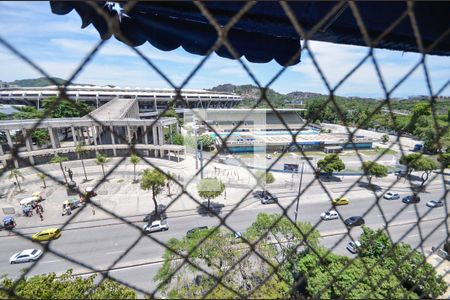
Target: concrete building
point(267, 130)
point(150, 100)
point(114, 128)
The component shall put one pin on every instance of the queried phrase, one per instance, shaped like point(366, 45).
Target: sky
point(57, 44)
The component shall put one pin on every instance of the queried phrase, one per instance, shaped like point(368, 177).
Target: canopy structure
point(265, 32)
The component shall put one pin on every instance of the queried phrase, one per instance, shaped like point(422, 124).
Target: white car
point(156, 226)
point(391, 196)
point(25, 256)
point(353, 247)
point(329, 215)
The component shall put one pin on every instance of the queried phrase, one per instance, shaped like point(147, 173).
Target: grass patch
point(120, 181)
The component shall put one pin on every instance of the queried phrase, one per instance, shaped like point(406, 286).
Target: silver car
point(391, 196)
point(156, 226)
point(435, 203)
point(25, 256)
point(329, 215)
point(353, 247)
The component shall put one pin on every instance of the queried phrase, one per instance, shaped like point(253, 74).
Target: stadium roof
point(265, 32)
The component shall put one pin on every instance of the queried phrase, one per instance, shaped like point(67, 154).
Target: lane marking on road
point(115, 252)
point(50, 261)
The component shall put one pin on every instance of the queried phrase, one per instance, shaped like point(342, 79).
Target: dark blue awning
point(265, 32)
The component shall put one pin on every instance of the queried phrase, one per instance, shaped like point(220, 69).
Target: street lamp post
point(201, 159)
point(299, 190)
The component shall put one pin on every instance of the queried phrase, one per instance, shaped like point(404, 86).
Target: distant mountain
point(39, 82)
point(303, 95)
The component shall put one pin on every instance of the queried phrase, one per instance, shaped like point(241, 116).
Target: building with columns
point(114, 129)
point(150, 100)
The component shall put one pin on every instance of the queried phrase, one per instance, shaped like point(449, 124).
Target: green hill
point(38, 82)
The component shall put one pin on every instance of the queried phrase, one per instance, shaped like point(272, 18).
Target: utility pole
point(196, 145)
point(299, 190)
point(201, 159)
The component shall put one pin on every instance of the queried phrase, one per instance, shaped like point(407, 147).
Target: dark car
point(411, 199)
point(193, 230)
point(268, 198)
point(354, 221)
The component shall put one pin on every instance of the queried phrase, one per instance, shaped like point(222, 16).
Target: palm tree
point(15, 173)
point(80, 151)
point(134, 159)
point(42, 177)
point(153, 180)
point(59, 160)
point(102, 160)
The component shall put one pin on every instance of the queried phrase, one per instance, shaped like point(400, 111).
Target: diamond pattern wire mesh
point(253, 246)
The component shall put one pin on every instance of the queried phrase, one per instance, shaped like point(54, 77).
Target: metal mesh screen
point(257, 249)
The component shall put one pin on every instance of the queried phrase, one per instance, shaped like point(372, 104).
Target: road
point(134, 257)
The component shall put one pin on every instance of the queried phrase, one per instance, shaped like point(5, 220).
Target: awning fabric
point(265, 32)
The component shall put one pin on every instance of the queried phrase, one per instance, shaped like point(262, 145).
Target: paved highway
point(108, 246)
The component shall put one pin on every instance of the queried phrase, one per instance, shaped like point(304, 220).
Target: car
point(391, 196)
point(192, 231)
point(435, 203)
point(25, 256)
point(329, 215)
point(411, 199)
point(268, 156)
point(259, 193)
point(268, 198)
point(47, 235)
point(353, 247)
point(160, 225)
point(340, 201)
point(354, 221)
point(400, 173)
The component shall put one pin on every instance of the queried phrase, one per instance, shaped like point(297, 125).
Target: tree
point(373, 169)
point(265, 178)
point(66, 286)
point(228, 258)
point(42, 177)
point(408, 265)
point(408, 160)
point(178, 139)
point(444, 159)
point(170, 177)
point(207, 141)
point(3, 116)
point(101, 160)
point(336, 276)
point(448, 116)
point(210, 188)
point(40, 136)
point(16, 174)
point(426, 165)
point(27, 112)
point(59, 160)
point(384, 138)
point(419, 162)
point(288, 236)
point(80, 151)
point(153, 180)
point(67, 108)
point(330, 163)
point(134, 159)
